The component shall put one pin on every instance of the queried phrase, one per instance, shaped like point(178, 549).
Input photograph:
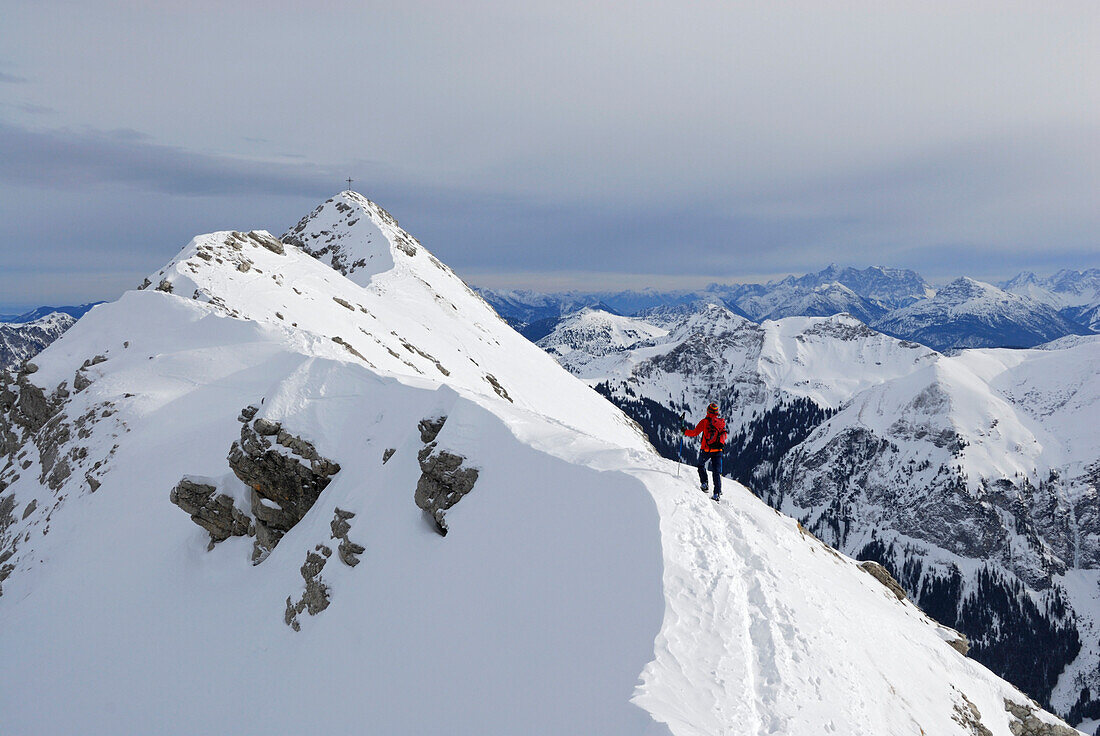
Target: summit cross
point(349, 180)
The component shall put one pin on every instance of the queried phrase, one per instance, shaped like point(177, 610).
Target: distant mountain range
point(76, 312)
point(22, 336)
point(1022, 312)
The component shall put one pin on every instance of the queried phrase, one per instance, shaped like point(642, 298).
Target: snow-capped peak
point(358, 238)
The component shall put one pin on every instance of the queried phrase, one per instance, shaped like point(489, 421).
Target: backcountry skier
point(713, 429)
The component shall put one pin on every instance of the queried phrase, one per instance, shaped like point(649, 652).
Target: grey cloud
point(12, 78)
point(68, 159)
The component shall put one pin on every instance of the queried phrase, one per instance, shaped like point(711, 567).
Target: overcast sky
point(554, 144)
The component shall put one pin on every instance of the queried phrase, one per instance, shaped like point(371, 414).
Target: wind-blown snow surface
point(577, 562)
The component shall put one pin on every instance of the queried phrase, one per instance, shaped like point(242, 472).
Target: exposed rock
point(268, 242)
point(81, 381)
point(32, 409)
point(497, 387)
point(50, 441)
point(387, 454)
point(348, 550)
point(285, 484)
point(348, 346)
point(1026, 723)
point(165, 285)
point(30, 508)
point(339, 525)
point(960, 644)
point(443, 482)
point(879, 573)
point(216, 514)
point(969, 717)
point(266, 427)
point(343, 303)
point(430, 428)
point(315, 596)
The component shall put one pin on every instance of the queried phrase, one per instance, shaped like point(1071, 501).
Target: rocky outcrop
point(348, 550)
point(315, 597)
point(443, 479)
point(879, 573)
point(7, 543)
point(1026, 723)
point(285, 476)
point(969, 717)
point(285, 473)
point(215, 512)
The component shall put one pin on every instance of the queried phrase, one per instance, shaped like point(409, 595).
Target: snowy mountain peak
point(358, 238)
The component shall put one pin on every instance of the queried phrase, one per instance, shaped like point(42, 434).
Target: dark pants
point(715, 469)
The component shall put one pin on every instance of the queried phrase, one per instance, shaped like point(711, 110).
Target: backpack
point(718, 435)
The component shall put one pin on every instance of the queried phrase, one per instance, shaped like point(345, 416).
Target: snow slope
point(577, 562)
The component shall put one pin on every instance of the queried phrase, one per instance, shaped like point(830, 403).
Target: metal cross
point(349, 182)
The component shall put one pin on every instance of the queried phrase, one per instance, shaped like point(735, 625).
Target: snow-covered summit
point(359, 239)
point(591, 333)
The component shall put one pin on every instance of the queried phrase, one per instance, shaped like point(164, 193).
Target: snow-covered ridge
point(576, 561)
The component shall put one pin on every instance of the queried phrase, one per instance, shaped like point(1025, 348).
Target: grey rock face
point(215, 513)
point(285, 473)
point(286, 477)
point(500, 390)
point(7, 544)
point(348, 550)
point(315, 597)
point(1026, 723)
point(879, 573)
point(430, 428)
point(969, 717)
point(960, 644)
point(443, 483)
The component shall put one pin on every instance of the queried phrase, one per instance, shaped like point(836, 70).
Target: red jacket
point(712, 430)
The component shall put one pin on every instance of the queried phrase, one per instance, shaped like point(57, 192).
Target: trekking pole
point(680, 449)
